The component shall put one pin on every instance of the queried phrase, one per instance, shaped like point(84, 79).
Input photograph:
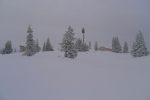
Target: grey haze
point(102, 19)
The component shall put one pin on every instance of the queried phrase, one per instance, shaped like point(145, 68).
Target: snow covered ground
point(91, 76)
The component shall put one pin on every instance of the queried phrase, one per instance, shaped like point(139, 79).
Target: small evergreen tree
point(37, 47)
point(125, 47)
point(30, 43)
point(116, 47)
point(48, 45)
point(139, 48)
point(133, 51)
point(68, 45)
point(96, 46)
point(79, 44)
point(8, 48)
point(113, 44)
point(84, 47)
point(44, 47)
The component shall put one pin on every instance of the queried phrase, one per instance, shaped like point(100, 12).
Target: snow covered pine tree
point(30, 43)
point(139, 48)
point(68, 45)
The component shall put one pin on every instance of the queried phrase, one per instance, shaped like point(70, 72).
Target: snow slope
point(91, 76)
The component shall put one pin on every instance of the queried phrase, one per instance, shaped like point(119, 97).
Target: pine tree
point(133, 51)
point(68, 45)
point(30, 43)
point(83, 32)
point(37, 47)
point(125, 47)
point(139, 48)
point(96, 46)
point(113, 44)
point(119, 48)
point(85, 47)
point(48, 45)
point(8, 48)
point(44, 47)
point(116, 47)
point(79, 44)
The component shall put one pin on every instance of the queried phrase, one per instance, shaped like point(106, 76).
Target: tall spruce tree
point(139, 48)
point(125, 47)
point(30, 43)
point(68, 45)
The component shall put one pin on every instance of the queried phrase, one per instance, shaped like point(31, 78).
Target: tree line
point(71, 45)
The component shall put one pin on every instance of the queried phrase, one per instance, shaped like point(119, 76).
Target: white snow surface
point(90, 76)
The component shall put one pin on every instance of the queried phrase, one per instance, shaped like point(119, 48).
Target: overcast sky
point(102, 19)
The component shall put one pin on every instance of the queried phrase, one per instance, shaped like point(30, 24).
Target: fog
point(102, 19)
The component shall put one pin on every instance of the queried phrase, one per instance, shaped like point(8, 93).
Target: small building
point(105, 49)
point(22, 48)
